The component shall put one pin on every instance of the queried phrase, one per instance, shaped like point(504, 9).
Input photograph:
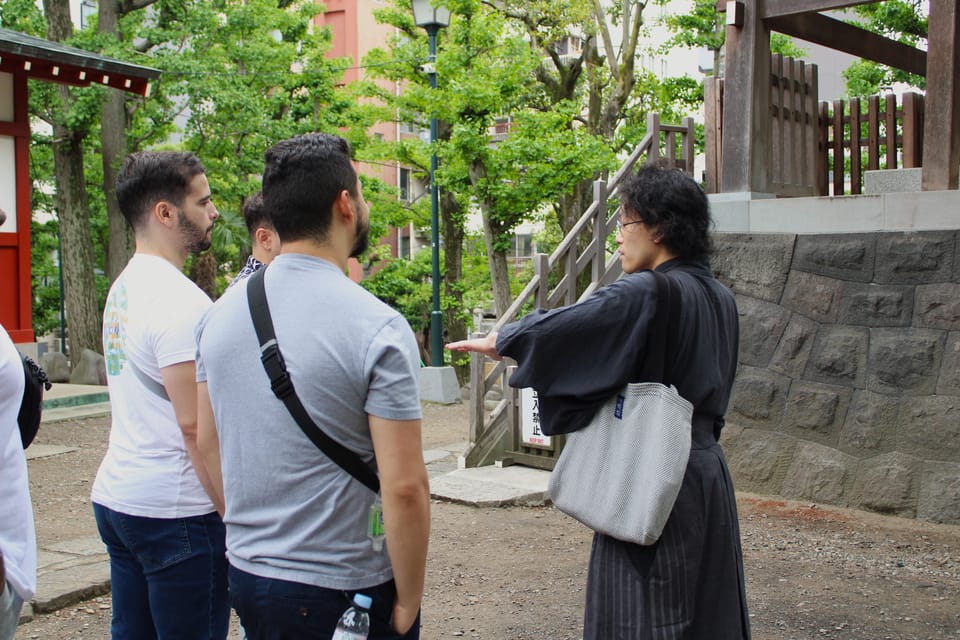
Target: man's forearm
point(406, 517)
point(212, 482)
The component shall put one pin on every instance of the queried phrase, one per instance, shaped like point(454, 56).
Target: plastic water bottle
point(375, 529)
point(354, 624)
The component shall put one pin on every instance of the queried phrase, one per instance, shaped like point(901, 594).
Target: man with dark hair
point(264, 241)
point(152, 498)
point(297, 523)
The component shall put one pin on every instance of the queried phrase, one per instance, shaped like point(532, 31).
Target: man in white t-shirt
point(152, 497)
point(18, 541)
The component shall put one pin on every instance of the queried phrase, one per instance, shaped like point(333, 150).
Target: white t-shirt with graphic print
point(149, 319)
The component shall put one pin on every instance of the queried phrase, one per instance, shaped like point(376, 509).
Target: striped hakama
point(690, 584)
point(687, 586)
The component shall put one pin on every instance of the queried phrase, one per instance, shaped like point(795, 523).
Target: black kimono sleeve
point(576, 357)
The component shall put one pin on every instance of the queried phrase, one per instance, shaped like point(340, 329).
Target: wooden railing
point(582, 251)
point(885, 136)
point(820, 148)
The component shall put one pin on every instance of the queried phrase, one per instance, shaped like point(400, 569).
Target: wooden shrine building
point(24, 57)
point(744, 146)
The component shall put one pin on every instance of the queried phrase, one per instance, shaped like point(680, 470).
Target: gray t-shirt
point(291, 513)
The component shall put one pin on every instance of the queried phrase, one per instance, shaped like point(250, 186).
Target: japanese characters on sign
point(530, 420)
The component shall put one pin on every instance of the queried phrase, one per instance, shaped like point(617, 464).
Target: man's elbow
point(411, 489)
point(189, 430)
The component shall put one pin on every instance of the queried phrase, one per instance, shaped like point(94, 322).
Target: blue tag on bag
point(618, 411)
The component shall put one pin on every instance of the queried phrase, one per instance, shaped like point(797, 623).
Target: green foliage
point(405, 286)
point(44, 276)
point(702, 27)
point(24, 16)
point(785, 46)
point(226, 93)
point(901, 20)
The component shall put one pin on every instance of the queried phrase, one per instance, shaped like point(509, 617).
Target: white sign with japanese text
point(530, 420)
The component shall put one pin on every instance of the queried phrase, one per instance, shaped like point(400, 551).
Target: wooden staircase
point(495, 436)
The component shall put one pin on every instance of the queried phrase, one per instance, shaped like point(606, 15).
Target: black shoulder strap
point(282, 387)
point(664, 332)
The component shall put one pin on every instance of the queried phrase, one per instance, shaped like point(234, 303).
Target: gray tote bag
point(621, 474)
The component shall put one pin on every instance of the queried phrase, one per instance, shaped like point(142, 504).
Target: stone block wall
point(848, 391)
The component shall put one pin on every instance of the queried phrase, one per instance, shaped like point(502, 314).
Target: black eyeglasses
point(621, 224)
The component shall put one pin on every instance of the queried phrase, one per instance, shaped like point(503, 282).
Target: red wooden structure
point(23, 57)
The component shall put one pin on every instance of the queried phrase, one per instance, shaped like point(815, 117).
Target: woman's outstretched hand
point(487, 346)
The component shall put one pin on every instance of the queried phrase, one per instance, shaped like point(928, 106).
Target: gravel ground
point(813, 572)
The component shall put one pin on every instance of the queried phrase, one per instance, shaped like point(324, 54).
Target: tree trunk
point(453, 234)
point(204, 273)
point(113, 142)
point(499, 270)
point(76, 242)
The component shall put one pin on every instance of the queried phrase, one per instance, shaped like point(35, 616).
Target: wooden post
point(599, 230)
point(689, 148)
point(712, 132)
point(823, 145)
point(941, 148)
point(856, 172)
point(653, 127)
point(811, 125)
point(838, 136)
point(912, 130)
point(541, 268)
point(477, 392)
point(778, 154)
point(799, 120)
point(890, 118)
point(873, 133)
point(746, 118)
point(570, 267)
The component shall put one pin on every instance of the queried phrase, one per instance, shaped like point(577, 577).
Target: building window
point(404, 184)
point(523, 243)
point(569, 46)
point(88, 9)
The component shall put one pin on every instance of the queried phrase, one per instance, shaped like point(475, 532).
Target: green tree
point(228, 76)
point(704, 27)
point(901, 20)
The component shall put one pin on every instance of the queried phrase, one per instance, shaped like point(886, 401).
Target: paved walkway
point(79, 569)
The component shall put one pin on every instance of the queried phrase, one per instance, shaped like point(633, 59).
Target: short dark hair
point(302, 178)
point(146, 177)
point(670, 200)
point(255, 214)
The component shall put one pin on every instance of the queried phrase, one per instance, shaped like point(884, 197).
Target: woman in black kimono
point(688, 585)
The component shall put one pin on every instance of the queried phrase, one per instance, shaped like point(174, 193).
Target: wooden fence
point(885, 136)
point(821, 148)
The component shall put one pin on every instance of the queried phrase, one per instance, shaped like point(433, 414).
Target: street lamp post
point(433, 18)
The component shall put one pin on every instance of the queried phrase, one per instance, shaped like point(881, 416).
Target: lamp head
point(427, 14)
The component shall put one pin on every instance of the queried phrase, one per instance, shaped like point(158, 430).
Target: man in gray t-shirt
point(296, 522)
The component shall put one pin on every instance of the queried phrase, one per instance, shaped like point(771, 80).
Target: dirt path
point(519, 573)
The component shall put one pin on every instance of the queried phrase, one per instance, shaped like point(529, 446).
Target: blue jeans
point(272, 609)
point(168, 576)
point(10, 605)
